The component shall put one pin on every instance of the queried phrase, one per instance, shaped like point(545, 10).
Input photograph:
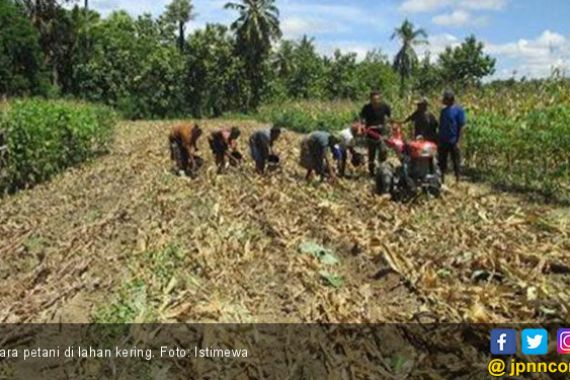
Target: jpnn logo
point(534, 342)
point(504, 342)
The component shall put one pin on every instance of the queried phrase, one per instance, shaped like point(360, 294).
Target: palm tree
point(256, 27)
point(283, 58)
point(406, 58)
point(180, 12)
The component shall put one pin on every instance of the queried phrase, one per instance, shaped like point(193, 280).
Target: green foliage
point(528, 151)
point(56, 34)
point(131, 69)
point(136, 301)
point(324, 255)
point(466, 64)
point(21, 59)
point(177, 14)
point(214, 81)
point(146, 67)
point(130, 305)
point(428, 77)
point(375, 73)
point(310, 116)
point(340, 82)
point(302, 75)
point(256, 27)
point(45, 137)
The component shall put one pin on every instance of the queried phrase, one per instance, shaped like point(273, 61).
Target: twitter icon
point(534, 341)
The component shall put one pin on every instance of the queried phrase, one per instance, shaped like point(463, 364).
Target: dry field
point(121, 239)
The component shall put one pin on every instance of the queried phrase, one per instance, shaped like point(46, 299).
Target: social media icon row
point(533, 341)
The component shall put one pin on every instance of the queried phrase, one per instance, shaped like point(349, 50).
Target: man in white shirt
point(350, 138)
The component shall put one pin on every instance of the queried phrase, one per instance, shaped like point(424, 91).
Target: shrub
point(311, 115)
point(44, 137)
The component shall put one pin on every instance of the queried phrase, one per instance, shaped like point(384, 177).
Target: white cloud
point(494, 5)
point(300, 17)
point(437, 44)
point(459, 17)
point(205, 10)
point(307, 8)
point(419, 6)
point(346, 47)
point(294, 27)
point(536, 57)
point(548, 38)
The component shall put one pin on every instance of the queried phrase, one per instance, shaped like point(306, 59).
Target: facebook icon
point(503, 342)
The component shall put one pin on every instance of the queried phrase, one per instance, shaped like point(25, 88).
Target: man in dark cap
point(451, 122)
point(425, 123)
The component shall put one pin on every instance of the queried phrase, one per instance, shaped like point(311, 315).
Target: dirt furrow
point(122, 239)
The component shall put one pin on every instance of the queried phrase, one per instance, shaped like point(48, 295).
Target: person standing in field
point(452, 120)
point(223, 143)
point(261, 146)
point(375, 116)
point(350, 138)
point(183, 141)
point(425, 123)
point(316, 155)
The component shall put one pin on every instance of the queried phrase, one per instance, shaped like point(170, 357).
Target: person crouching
point(224, 145)
point(350, 138)
point(183, 141)
point(316, 155)
point(261, 146)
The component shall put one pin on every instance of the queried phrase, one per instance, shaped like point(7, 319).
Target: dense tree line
point(150, 67)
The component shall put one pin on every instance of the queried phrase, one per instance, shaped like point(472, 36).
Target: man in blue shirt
point(451, 122)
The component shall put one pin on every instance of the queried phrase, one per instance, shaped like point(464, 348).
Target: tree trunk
point(402, 85)
point(86, 42)
point(55, 74)
point(181, 36)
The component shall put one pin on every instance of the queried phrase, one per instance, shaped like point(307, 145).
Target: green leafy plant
point(45, 137)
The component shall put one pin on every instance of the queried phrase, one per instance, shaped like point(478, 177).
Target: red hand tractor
point(417, 170)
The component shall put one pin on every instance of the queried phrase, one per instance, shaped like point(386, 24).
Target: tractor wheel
point(434, 186)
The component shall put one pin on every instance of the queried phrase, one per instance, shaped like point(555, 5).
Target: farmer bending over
point(223, 144)
point(316, 150)
point(452, 120)
point(182, 140)
point(261, 146)
point(425, 123)
point(375, 116)
point(350, 138)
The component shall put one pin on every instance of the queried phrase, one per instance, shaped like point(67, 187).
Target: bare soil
point(122, 239)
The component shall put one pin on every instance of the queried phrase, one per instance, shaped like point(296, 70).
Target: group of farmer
point(320, 149)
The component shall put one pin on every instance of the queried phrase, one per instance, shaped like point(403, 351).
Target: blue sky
point(527, 36)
